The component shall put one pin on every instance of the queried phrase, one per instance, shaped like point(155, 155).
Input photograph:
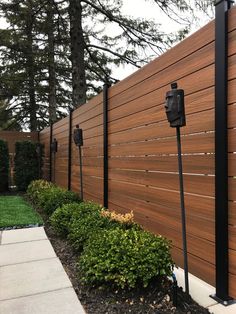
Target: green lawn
point(14, 211)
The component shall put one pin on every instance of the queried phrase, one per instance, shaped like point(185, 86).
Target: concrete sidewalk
point(32, 278)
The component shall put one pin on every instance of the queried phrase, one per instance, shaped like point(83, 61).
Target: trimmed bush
point(61, 218)
point(87, 221)
point(125, 258)
point(35, 189)
point(4, 166)
point(52, 198)
point(28, 163)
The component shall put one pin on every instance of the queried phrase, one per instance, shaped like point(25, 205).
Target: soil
point(155, 298)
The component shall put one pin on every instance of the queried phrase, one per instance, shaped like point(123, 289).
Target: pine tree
point(58, 53)
point(28, 68)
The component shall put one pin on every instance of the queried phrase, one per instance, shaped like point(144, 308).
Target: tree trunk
point(31, 71)
point(77, 54)
point(51, 63)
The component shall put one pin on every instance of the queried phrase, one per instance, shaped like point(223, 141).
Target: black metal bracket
point(228, 302)
point(221, 152)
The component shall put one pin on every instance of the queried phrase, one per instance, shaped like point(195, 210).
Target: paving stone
point(23, 235)
point(62, 301)
point(25, 252)
point(31, 278)
point(221, 309)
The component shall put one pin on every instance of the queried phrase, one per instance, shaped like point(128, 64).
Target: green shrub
point(4, 166)
point(61, 218)
point(125, 258)
point(52, 198)
point(28, 163)
point(36, 187)
point(85, 222)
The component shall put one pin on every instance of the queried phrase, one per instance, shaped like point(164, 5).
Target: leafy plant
point(127, 218)
point(4, 166)
point(87, 221)
point(61, 218)
point(28, 163)
point(52, 198)
point(36, 187)
point(125, 258)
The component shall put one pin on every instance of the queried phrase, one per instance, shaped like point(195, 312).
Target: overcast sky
point(149, 10)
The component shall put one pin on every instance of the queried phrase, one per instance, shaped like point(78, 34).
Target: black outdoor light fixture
point(176, 116)
point(54, 146)
point(54, 151)
point(78, 140)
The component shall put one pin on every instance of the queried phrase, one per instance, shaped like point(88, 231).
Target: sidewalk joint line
point(12, 243)
point(27, 262)
point(39, 293)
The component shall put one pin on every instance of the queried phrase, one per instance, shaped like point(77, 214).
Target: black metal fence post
point(183, 214)
point(105, 145)
point(69, 149)
point(221, 151)
point(50, 152)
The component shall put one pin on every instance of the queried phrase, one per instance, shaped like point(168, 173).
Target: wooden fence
point(143, 172)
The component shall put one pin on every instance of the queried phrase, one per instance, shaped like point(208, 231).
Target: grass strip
point(16, 212)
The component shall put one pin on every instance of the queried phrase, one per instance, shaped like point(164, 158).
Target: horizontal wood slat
point(199, 122)
point(201, 143)
point(171, 218)
point(203, 185)
point(196, 205)
point(197, 164)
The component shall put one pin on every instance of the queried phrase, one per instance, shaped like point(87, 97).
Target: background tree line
point(56, 54)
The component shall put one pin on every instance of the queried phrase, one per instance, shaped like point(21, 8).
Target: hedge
point(4, 166)
point(28, 163)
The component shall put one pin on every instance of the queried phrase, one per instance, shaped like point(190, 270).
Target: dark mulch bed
point(154, 299)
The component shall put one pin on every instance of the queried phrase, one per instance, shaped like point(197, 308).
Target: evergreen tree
point(57, 53)
point(28, 68)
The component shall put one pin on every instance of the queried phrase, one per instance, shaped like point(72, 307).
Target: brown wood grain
point(195, 102)
point(83, 116)
point(232, 262)
point(200, 143)
point(198, 164)
point(232, 286)
point(232, 115)
point(197, 184)
point(171, 217)
point(199, 122)
point(195, 205)
point(231, 140)
point(232, 213)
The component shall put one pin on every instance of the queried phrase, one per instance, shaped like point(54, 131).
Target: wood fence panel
point(143, 170)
